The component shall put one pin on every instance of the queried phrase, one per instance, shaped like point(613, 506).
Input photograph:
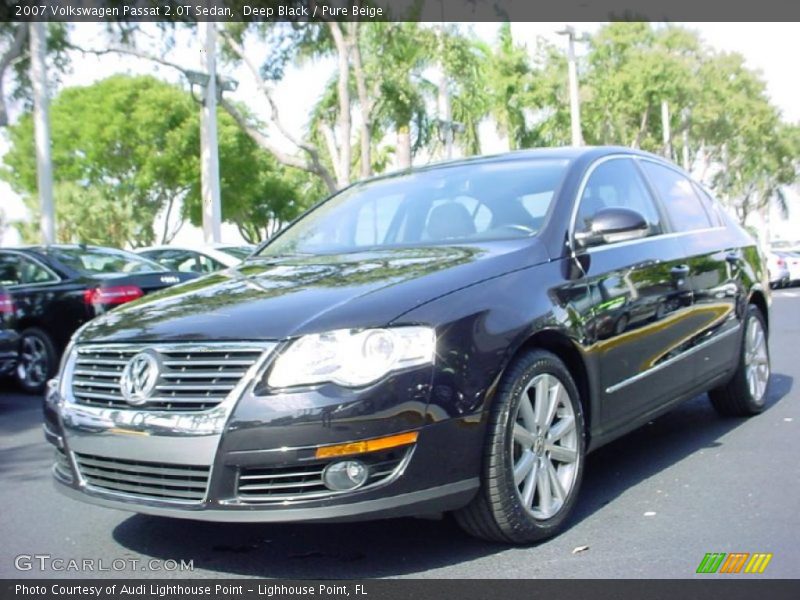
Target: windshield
point(104, 261)
point(450, 205)
point(240, 252)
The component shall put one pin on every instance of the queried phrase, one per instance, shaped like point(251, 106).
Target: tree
point(126, 150)
point(259, 194)
point(509, 79)
point(748, 153)
point(15, 61)
point(632, 69)
point(126, 142)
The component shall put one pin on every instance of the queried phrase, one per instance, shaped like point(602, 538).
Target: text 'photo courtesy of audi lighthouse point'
point(460, 351)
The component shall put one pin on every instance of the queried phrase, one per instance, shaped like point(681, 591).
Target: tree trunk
point(343, 89)
point(403, 152)
point(364, 102)
point(642, 129)
point(165, 237)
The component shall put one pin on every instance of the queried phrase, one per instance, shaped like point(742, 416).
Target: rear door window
point(9, 270)
point(683, 205)
point(18, 270)
point(712, 207)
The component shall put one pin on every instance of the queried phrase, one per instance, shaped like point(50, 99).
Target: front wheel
point(534, 454)
point(746, 392)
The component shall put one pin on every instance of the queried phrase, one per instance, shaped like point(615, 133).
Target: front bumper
point(269, 438)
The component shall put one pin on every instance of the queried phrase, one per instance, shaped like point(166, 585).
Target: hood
point(276, 298)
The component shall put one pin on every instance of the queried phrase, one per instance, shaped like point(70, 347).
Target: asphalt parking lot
point(652, 504)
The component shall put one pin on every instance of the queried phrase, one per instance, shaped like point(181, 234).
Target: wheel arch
point(759, 299)
point(560, 344)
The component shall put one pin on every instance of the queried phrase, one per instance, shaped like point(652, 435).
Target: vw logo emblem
point(139, 378)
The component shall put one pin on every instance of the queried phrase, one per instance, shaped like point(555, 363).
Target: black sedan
point(452, 338)
point(53, 290)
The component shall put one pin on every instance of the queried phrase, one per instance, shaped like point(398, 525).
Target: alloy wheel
point(544, 447)
point(33, 361)
point(756, 360)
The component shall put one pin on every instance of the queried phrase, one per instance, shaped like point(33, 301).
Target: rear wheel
point(37, 360)
point(746, 392)
point(533, 459)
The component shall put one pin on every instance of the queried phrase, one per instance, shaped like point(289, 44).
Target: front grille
point(159, 481)
point(304, 482)
point(190, 379)
point(62, 464)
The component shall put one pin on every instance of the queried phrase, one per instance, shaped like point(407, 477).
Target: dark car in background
point(451, 338)
point(197, 259)
point(55, 289)
point(9, 339)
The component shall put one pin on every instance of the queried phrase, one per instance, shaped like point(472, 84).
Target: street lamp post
point(41, 120)
point(574, 100)
point(210, 88)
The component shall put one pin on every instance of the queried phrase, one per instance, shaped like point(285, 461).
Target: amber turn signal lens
point(373, 445)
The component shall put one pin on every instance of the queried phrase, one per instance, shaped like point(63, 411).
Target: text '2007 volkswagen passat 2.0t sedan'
point(453, 338)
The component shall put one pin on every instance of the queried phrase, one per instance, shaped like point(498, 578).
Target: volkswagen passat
point(454, 338)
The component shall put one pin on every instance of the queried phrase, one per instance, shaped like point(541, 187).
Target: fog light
point(345, 475)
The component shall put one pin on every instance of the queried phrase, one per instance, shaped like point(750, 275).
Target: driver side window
point(616, 183)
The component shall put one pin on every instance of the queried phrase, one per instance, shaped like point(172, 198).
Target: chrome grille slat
point(179, 387)
point(202, 374)
point(206, 363)
point(99, 396)
point(279, 486)
point(86, 361)
point(192, 377)
point(97, 373)
point(163, 481)
point(282, 475)
point(97, 383)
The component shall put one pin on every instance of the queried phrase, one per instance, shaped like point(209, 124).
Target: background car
point(792, 260)
point(778, 270)
point(8, 337)
point(200, 259)
point(53, 290)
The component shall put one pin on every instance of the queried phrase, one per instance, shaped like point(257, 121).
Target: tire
point(498, 513)
point(745, 393)
point(37, 360)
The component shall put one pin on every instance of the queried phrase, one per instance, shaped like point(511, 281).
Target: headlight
point(352, 358)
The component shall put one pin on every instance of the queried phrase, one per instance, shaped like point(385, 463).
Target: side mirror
point(611, 225)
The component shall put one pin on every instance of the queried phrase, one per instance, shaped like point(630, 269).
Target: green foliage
point(395, 58)
point(720, 103)
point(631, 69)
point(125, 142)
point(126, 149)
point(259, 195)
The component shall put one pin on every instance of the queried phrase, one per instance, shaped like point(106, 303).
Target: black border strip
point(526, 589)
point(399, 10)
